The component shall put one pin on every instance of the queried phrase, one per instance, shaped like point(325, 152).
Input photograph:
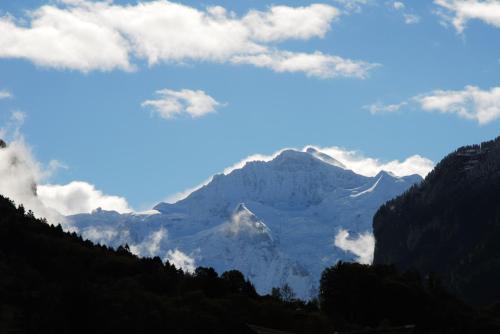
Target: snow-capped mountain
point(275, 221)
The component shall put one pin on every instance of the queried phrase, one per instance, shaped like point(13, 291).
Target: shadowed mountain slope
point(449, 224)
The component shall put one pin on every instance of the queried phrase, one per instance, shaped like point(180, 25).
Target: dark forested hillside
point(449, 224)
point(54, 282)
point(381, 296)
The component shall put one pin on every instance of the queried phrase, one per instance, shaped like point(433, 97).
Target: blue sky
point(93, 121)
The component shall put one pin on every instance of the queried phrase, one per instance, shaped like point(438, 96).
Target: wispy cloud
point(482, 106)
point(363, 246)
point(5, 94)
point(100, 35)
point(369, 166)
point(171, 103)
point(353, 6)
point(379, 107)
point(471, 103)
point(151, 245)
point(104, 235)
point(409, 17)
point(181, 260)
point(314, 64)
point(20, 171)
point(398, 5)
point(24, 180)
point(459, 12)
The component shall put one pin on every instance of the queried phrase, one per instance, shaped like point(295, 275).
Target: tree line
point(52, 281)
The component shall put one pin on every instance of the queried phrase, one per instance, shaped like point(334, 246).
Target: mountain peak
point(291, 154)
point(324, 157)
point(240, 208)
point(244, 221)
point(243, 214)
point(311, 150)
point(294, 160)
point(385, 173)
point(306, 159)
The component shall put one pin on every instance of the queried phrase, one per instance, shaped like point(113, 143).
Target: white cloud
point(411, 18)
point(100, 35)
point(367, 166)
point(11, 130)
point(459, 12)
point(398, 5)
point(181, 260)
point(150, 246)
point(18, 116)
point(163, 31)
point(470, 103)
point(79, 197)
point(103, 235)
point(355, 6)
point(171, 103)
point(70, 38)
point(363, 246)
point(351, 159)
point(314, 64)
point(282, 22)
point(5, 94)
point(379, 108)
point(244, 222)
point(23, 179)
point(19, 174)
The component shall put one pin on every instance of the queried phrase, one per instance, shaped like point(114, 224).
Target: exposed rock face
point(449, 224)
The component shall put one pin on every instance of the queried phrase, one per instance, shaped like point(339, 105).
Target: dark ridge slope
point(449, 224)
point(55, 282)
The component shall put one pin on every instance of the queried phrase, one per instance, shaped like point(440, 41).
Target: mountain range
point(439, 236)
point(279, 222)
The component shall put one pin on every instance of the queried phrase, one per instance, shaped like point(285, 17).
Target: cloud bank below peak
point(79, 197)
point(363, 246)
point(23, 179)
point(100, 35)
